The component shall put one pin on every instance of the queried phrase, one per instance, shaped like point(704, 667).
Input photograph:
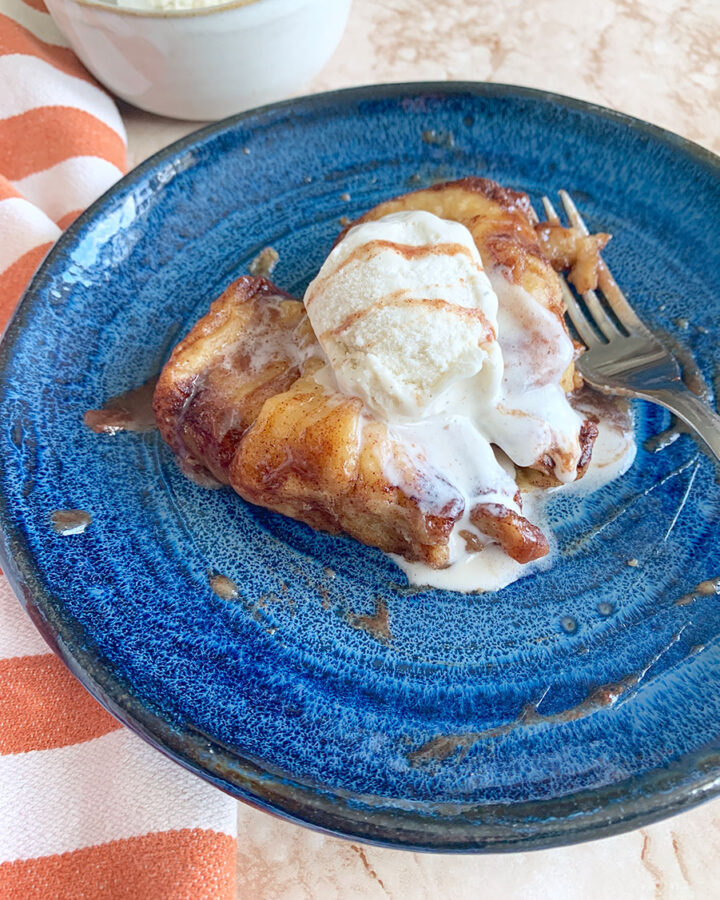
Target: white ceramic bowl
point(206, 63)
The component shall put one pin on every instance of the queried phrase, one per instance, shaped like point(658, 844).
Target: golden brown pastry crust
point(281, 441)
point(315, 457)
point(285, 443)
point(567, 248)
point(500, 221)
point(237, 403)
point(208, 393)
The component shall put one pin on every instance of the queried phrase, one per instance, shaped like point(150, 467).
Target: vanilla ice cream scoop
point(404, 313)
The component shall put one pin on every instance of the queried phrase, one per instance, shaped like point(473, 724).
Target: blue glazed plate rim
point(384, 821)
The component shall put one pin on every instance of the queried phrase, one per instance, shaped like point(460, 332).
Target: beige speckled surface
point(658, 60)
point(675, 860)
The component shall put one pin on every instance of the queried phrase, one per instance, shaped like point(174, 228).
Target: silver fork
point(629, 360)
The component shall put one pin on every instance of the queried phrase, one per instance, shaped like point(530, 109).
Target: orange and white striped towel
point(87, 809)
point(62, 142)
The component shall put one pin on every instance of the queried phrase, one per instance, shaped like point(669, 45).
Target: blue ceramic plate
point(579, 702)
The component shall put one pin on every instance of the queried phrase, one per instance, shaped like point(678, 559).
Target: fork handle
point(690, 408)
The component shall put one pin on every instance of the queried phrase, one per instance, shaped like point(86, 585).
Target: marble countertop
point(657, 60)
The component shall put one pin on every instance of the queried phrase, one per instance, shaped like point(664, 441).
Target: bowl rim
point(172, 13)
point(478, 828)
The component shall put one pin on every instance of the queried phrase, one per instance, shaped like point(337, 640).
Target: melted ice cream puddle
point(488, 570)
point(492, 569)
point(614, 449)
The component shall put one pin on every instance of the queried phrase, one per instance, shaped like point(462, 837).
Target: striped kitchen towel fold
point(87, 809)
point(62, 142)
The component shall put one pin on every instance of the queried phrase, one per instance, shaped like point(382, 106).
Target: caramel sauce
point(707, 588)
point(70, 521)
point(695, 381)
point(131, 411)
point(597, 406)
point(224, 587)
point(326, 601)
point(664, 438)
point(445, 746)
point(372, 248)
point(400, 298)
point(377, 625)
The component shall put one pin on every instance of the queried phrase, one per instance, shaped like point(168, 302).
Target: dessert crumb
point(70, 521)
point(438, 138)
point(224, 587)
point(264, 262)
